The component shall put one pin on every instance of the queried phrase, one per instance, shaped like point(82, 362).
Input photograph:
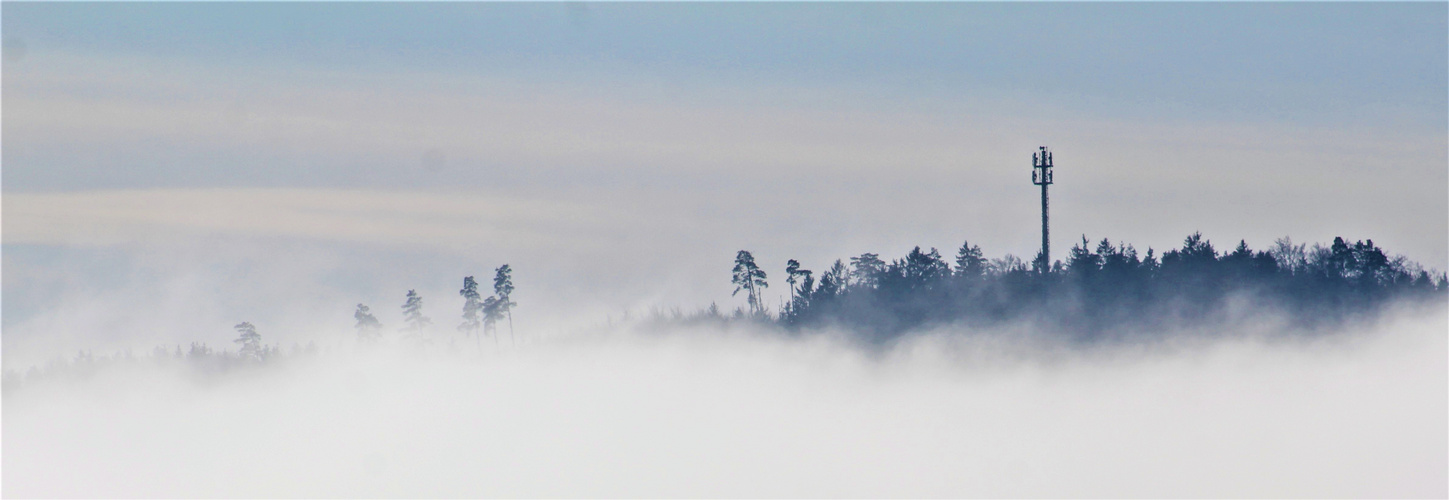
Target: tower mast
point(1041, 175)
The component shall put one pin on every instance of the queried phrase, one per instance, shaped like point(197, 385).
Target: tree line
point(480, 317)
point(1100, 290)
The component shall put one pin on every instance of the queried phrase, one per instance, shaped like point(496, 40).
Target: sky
point(170, 169)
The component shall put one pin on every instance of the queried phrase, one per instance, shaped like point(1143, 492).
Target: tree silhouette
point(503, 287)
point(806, 293)
point(792, 269)
point(1039, 263)
point(492, 309)
point(1290, 257)
point(748, 276)
point(796, 275)
point(368, 328)
point(1006, 264)
point(413, 316)
point(969, 261)
point(866, 269)
point(837, 274)
point(1105, 288)
point(471, 307)
point(251, 342)
point(1195, 249)
point(1081, 260)
point(919, 269)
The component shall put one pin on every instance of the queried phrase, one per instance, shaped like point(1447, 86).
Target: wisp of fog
point(730, 411)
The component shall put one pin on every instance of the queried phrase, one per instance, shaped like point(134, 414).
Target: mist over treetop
point(1103, 290)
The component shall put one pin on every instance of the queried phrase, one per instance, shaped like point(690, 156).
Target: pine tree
point(839, 275)
point(919, 269)
point(503, 287)
point(867, 269)
point(251, 342)
point(800, 295)
point(750, 278)
point(791, 271)
point(413, 315)
point(1081, 261)
point(492, 310)
point(471, 307)
point(969, 261)
point(368, 328)
point(802, 299)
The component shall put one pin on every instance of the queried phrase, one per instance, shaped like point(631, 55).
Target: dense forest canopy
point(1102, 289)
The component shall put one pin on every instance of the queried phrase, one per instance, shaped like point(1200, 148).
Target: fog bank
point(746, 414)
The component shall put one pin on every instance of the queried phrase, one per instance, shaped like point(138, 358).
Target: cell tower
point(1041, 175)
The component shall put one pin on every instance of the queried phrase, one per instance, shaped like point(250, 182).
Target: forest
point(480, 317)
point(1102, 290)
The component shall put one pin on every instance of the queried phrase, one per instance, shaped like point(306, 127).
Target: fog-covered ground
point(730, 411)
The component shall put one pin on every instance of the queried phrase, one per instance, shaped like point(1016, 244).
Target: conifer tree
point(251, 342)
point(867, 269)
point(413, 316)
point(919, 269)
point(471, 307)
point(750, 278)
point(368, 328)
point(1081, 260)
point(969, 261)
point(838, 275)
point(492, 310)
point(503, 288)
point(798, 295)
point(791, 271)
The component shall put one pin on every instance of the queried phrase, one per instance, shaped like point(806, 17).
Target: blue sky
point(1237, 57)
point(618, 154)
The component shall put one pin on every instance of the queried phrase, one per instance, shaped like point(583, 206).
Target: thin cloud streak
point(86, 124)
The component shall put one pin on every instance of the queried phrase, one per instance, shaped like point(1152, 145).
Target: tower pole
point(1046, 242)
point(1041, 175)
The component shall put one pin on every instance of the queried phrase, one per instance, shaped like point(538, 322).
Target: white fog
point(704, 411)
